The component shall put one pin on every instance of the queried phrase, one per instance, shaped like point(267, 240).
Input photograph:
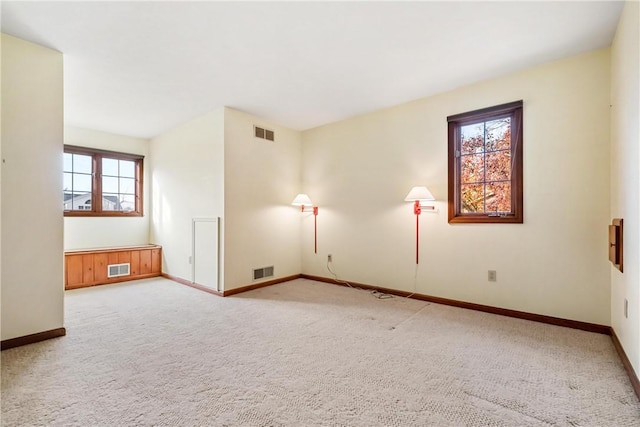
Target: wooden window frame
point(455, 122)
point(96, 194)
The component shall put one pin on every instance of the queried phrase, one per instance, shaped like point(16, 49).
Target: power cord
point(373, 292)
point(415, 283)
point(381, 295)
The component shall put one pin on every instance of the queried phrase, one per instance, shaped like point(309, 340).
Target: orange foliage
point(485, 167)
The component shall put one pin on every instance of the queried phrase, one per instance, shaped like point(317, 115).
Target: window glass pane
point(128, 202)
point(68, 162)
point(472, 138)
point(110, 202)
point(67, 182)
point(68, 200)
point(127, 168)
point(79, 200)
point(485, 159)
point(81, 182)
point(109, 184)
point(128, 185)
point(82, 163)
point(472, 198)
point(118, 182)
point(472, 168)
point(499, 134)
point(499, 197)
point(110, 167)
point(498, 166)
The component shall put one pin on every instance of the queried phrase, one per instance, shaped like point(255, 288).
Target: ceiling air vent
point(262, 133)
point(261, 273)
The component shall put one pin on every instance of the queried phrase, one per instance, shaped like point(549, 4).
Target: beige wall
point(32, 238)
point(212, 166)
point(95, 232)
point(261, 179)
point(625, 188)
point(187, 181)
point(359, 171)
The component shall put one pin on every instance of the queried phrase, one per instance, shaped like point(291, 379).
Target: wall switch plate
point(492, 276)
point(329, 258)
point(190, 260)
point(626, 309)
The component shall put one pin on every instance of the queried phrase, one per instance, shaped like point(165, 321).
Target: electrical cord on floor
point(415, 283)
point(373, 292)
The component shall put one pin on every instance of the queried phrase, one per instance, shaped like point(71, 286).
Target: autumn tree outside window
point(101, 183)
point(485, 165)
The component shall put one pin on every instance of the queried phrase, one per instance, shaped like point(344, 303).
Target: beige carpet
point(303, 353)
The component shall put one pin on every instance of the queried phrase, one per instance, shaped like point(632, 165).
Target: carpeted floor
point(304, 353)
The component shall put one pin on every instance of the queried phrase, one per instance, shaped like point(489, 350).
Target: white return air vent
point(117, 270)
point(263, 133)
point(261, 273)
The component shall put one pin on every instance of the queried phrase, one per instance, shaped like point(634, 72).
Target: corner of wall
point(625, 177)
point(187, 182)
point(32, 144)
point(261, 178)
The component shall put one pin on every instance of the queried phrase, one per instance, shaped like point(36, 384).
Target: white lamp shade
point(419, 193)
point(302, 200)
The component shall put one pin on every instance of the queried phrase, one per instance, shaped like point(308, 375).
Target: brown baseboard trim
point(260, 285)
point(633, 377)
point(575, 324)
point(33, 338)
point(192, 284)
point(230, 291)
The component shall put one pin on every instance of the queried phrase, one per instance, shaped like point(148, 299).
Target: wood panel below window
point(91, 267)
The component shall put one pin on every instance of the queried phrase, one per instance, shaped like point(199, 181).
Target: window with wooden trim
point(485, 165)
point(101, 183)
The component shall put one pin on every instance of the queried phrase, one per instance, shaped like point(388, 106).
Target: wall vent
point(261, 273)
point(117, 270)
point(263, 133)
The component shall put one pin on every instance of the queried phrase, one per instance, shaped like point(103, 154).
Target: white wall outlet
point(190, 259)
point(329, 258)
point(492, 276)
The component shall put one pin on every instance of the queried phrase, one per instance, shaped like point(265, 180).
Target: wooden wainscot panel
point(145, 261)
point(124, 257)
point(90, 267)
point(100, 263)
point(87, 268)
point(73, 270)
point(135, 263)
point(113, 257)
point(156, 261)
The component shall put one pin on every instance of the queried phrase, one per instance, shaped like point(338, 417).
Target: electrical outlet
point(492, 276)
point(329, 258)
point(626, 309)
point(190, 260)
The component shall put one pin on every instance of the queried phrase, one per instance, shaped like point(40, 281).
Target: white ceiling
point(141, 68)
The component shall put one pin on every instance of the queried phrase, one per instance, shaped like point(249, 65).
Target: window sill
point(485, 219)
point(103, 214)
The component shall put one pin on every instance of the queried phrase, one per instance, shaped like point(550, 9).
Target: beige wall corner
point(625, 177)
point(261, 178)
point(187, 181)
point(554, 264)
